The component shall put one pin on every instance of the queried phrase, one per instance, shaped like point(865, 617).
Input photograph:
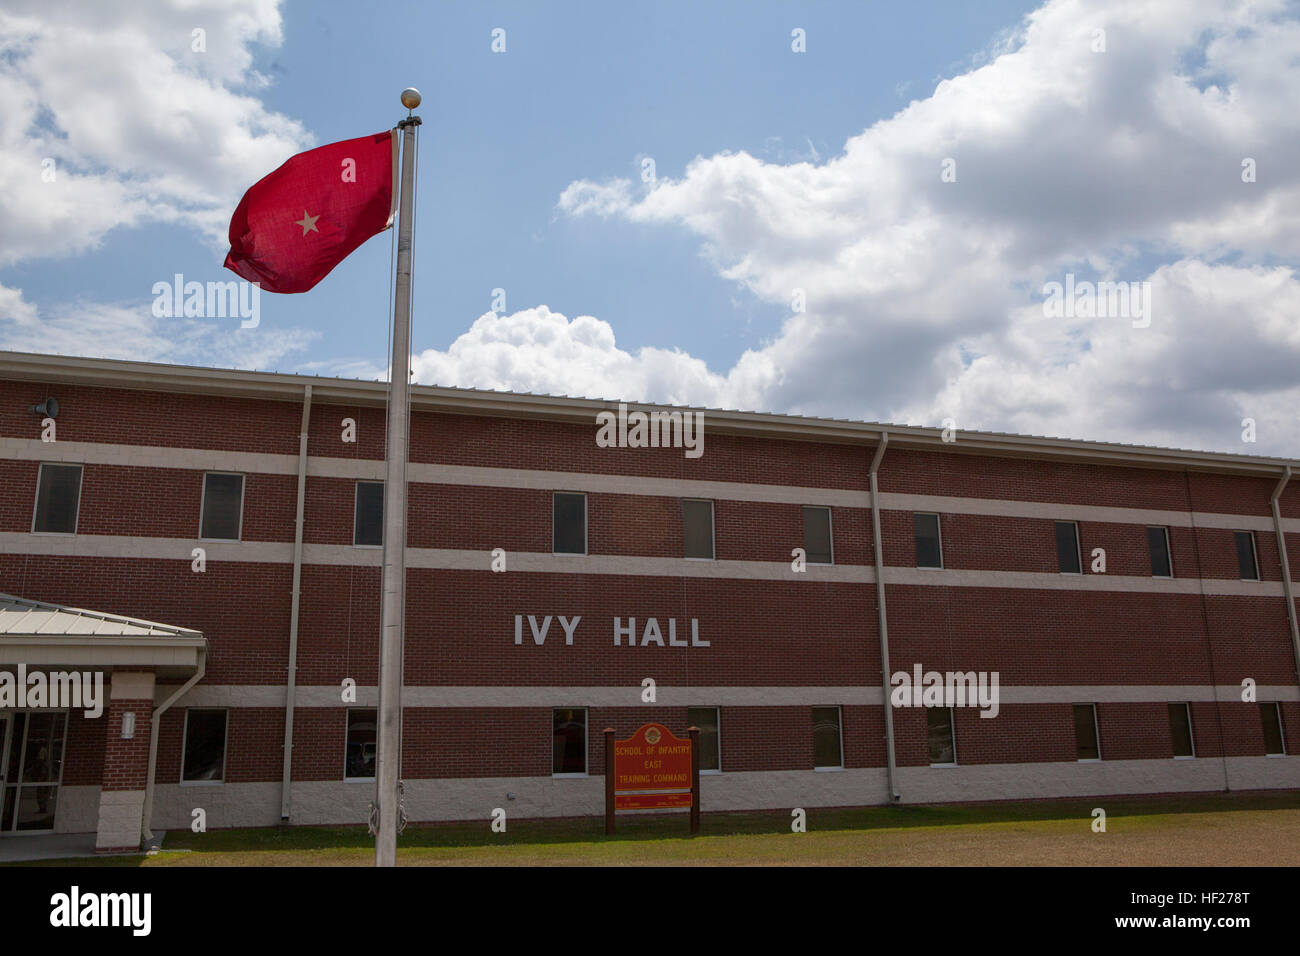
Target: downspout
point(286, 798)
point(1286, 565)
point(155, 725)
point(885, 685)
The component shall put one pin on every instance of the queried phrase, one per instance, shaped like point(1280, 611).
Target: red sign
point(654, 769)
point(651, 801)
point(652, 759)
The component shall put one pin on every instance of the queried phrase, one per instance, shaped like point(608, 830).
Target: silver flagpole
point(388, 758)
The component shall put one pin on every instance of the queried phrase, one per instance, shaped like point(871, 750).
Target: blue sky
point(583, 90)
point(776, 170)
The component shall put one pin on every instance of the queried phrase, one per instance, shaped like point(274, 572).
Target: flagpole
point(388, 757)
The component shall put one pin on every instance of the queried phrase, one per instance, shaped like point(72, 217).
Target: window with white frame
point(204, 747)
point(223, 507)
point(362, 744)
point(1247, 560)
point(1270, 715)
point(368, 514)
point(828, 749)
point(943, 743)
point(706, 718)
point(817, 535)
point(929, 549)
point(1180, 730)
point(58, 499)
point(1087, 740)
point(569, 523)
point(569, 741)
point(697, 528)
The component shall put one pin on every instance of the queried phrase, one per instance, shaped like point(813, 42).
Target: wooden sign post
point(651, 770)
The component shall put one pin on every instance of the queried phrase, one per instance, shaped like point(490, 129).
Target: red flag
point(296, 224)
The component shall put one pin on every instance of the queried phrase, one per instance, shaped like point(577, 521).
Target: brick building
point(1129, 602)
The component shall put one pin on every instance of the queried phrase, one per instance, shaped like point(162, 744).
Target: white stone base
point(258, 804)
point(120, 813)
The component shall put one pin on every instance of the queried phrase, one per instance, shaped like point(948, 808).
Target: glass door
point(32, 770)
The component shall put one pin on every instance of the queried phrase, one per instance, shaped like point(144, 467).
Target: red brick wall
point(795, 632)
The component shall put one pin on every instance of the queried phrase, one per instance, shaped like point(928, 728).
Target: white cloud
point(537, 350)
point(924, 296)
point(141, 127)
point(106, 330)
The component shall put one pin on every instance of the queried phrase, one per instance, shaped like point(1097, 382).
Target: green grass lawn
point(1222, 829)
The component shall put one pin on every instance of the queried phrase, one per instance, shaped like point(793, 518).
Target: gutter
point(1286, 565)
point(885, 685)
point(156, 725)
point(291, 689)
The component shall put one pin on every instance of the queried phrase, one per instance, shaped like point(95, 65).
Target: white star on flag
point(307, 222)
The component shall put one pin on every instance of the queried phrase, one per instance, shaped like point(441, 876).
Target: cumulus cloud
point(119, 331)
point(537, 350)
point(136, 124)
point(924, 296)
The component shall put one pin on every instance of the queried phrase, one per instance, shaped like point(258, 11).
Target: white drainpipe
point(885, 686)
point(156, 724)
point(1286, 566)
point(291, 690)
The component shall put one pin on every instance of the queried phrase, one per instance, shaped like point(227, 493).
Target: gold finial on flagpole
point(410, 97)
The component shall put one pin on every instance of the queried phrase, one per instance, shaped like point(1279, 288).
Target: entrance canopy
point(42, 635)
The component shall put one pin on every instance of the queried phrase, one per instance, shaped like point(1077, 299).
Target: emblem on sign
point(652, 736)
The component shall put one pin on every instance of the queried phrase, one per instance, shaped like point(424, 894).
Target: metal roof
point(152, 376)
point(21, 617)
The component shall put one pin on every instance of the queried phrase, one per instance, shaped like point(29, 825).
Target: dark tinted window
point(362, 744)
point(58, 492)
point(817, 535)
point(1158, 543)
point(569, 740)
point(697, 528)
point(570, 524)
point(706, 718)
point(826, 737)
point(1067, 547)
point(368, 518)
point(223, 499)
point(1246, 556)
point(1274, 743)
point(1180, 729)
point(205, 745)
point(942, 749)
point(928, 552)
point(1085, 732)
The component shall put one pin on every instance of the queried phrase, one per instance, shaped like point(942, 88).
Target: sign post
point(654, 769)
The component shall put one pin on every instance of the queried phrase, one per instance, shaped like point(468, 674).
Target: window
point(1180, 730)
point(929, 551)
point(1158, 542)
point(58, 495)
point(362, 743)
point(1087, 746)
point(943, 746)
point(223, 507)
point(706, 718)
point(1246, 556)
point(697, 528)
point(1067, 547)
point(1274, 741)
point(368, 514)
point(827, 753)
point(205, 746)
point(569, 534)
point(817, 535)
point(569, 741)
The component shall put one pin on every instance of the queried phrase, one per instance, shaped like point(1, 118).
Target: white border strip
point(328, 695)
point(367, 469)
